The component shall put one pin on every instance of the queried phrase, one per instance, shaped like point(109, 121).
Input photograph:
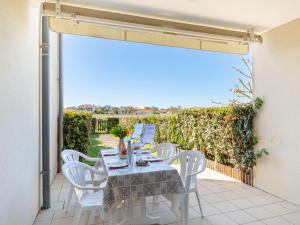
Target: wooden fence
point(105, 125)
point(237, 174)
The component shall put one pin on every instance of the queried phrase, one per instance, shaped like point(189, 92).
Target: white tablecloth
point(158, 178)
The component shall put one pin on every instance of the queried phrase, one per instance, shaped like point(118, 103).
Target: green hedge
point(224, 134)
point(77, 127)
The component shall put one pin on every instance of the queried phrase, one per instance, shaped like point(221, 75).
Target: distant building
point(171, 111)
point(168, 111)
point(143, 112)
point(122, 111)
point(87, 107)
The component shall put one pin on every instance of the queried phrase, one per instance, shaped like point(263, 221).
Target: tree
point(154, 109)
point(243, 89)
point(245, 82)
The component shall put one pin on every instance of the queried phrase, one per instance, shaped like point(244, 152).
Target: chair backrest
point(165, 150)
point(190, 162)
point(75, 172)
point(148, 134)
point(137, 131)
point(70, 155)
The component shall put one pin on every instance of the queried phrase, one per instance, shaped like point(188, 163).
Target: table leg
point(112, 216)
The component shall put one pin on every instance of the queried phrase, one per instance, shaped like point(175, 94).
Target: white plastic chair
point(73, 155)
point(89, 197)
point(70, 155)
point(191, 164)
point(165, 150)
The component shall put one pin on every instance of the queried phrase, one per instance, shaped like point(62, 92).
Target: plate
point(141, 151)
point(153, 159)
point(117, 165)
point(110, 153)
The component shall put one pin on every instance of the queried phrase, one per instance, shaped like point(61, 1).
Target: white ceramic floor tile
point(167, 217)
point(235, 185)
point(277, 209)
point(63, 221)
point(276, 221)
point(225, 206)
point(255, 223)
point(213, 198)
point(193, 213)
point(293, 218)
point(218, 188)
point(194, 202)
point(54, 197)
point(221, 220)
point(208, 210)
point(199, 221)
point(241, 217)
point(263, 199)
point(259, 213)
point(57, 186)
point(60, 213)
point(229, 195)
point(203, 191)
point(221, 198)
point(160, 207)
point(48, 222)
point(242, 203)
point(249, 192)
point(45, 215)
point(291, 206)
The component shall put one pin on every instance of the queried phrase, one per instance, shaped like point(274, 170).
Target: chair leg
point(78, 216)
point(66, 206)
point(185, 209)
point(91, 216)
point(199, 203)
point(155, 201)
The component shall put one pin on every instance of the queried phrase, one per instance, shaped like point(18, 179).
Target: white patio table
point(132, 182)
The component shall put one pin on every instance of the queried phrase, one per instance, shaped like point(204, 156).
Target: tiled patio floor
point(225, 202)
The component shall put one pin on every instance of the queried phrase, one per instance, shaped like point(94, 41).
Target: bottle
point(129, 151)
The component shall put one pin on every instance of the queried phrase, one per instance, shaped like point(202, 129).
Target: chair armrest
point(91, 159)
point(195, 173)
point(94, 188)
point(94, 171)
point(189, 177)
point(170, 161)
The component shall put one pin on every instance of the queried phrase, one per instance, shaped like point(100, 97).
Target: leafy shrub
point(224, 134)
point(111, 123)
point(77, 126)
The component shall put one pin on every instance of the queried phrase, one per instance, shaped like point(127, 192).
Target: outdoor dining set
point(115, 186)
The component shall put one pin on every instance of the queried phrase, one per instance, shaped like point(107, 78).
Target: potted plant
point(121, 132)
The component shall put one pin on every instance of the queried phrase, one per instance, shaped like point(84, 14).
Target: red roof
point(144, 111)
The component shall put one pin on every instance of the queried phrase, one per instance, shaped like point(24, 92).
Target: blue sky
point(109, 72)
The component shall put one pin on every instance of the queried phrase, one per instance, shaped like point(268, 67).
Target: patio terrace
point(224, 201)
point(31, 79)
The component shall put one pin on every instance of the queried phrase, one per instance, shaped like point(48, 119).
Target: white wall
point(277, 79)
point(19, 112)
